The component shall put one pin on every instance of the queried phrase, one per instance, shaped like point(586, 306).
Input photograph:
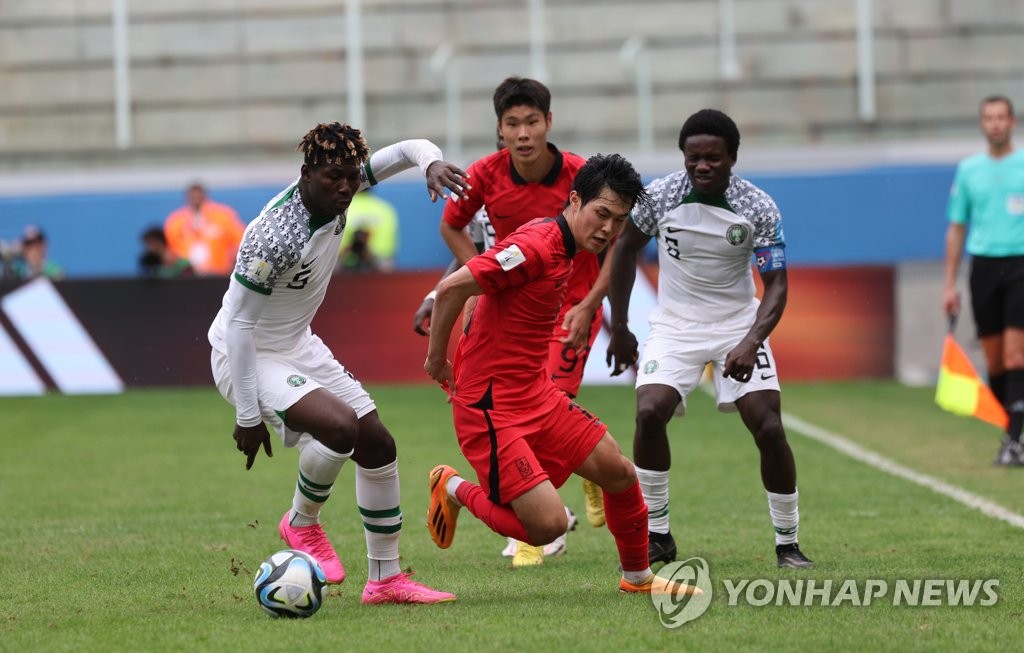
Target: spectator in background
point(357, 256)
point(32, 260)
point(158, 261)
point(988, 197)
point(370, 239)
point(205, 232)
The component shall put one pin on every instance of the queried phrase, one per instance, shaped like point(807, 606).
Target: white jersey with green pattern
point(284, 266)
point(289, 255)
point(705, 245)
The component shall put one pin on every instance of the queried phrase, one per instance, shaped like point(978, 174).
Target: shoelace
point(404, 576)
point(315, 538)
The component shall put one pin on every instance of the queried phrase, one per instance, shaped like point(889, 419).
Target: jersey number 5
point(300, 280)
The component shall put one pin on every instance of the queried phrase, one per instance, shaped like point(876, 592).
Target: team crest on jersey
point(737, 234)
point(339, 225)
point(510, 257)
point(650, 367)
point(296, 380)
point(524, 467)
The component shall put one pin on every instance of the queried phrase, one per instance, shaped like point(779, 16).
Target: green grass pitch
point(130, 524)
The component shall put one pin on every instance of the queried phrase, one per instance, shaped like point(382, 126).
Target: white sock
point(637, 577)
point(377, 497)
point(785, 516)
point(318, 469)
point(654, 486)
point(453, 484)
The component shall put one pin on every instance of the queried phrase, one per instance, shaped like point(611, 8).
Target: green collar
point(696, 197)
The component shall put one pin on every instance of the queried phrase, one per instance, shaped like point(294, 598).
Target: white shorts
point(282, 380)
point(677, 350)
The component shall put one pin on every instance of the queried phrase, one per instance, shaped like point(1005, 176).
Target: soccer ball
point(291, 584)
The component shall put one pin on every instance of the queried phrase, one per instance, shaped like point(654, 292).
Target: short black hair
point(614, 172)
point(155, 233)
point(992, 99)
point(711, 122)
point(521, 91)
point(333, 144)
point(32, 234)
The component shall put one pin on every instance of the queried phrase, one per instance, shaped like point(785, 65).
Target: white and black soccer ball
point(290, 583)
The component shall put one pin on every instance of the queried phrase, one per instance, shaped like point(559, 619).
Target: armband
point(770, 259)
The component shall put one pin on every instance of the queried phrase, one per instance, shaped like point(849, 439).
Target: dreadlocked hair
point(334, 144)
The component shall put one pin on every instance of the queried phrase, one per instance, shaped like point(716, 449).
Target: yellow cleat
point(527, 555)
point(594, 499)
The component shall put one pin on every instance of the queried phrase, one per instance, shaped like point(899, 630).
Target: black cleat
point(661, 548)
point(790, 557)
point(1009, 453)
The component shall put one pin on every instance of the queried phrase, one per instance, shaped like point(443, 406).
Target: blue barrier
point(879, 215)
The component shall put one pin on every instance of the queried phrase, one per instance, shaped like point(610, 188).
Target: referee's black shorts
point(997, 293)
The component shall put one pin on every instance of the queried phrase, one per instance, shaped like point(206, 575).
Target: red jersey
point(512, 201)
point(524, 279)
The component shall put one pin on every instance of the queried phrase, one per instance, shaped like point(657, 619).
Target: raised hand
point(443, 177)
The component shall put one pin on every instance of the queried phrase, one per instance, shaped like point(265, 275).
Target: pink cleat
point(401, 589)
point(313, 540)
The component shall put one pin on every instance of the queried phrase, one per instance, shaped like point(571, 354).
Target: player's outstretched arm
point(458, 241)
point(452, 293)
point(421, 319)
point(442, 177)
point(623, 348)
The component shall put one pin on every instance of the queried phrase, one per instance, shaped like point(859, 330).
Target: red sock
point(499, 518)
point(626, 513)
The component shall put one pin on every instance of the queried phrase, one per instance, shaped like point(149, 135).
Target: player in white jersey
point(269, 365)
point(710, 225)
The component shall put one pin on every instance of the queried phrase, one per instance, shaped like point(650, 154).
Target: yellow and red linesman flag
point(961, 391)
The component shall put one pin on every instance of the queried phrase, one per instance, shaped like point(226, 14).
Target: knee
point(544, 528)
point(340, 432)
point(651, 416)
point(619, 477)
point(770, 434)
point(375, 446)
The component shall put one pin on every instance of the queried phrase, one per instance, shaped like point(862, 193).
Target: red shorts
point(564, 364)
point(514, 449)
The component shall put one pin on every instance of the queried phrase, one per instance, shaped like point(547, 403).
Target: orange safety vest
point(209, 239)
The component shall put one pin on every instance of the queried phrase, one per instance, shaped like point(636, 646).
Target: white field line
point(855, 451)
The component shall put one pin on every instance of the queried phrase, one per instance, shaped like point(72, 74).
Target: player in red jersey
point(520, 432)
point(528, 179)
